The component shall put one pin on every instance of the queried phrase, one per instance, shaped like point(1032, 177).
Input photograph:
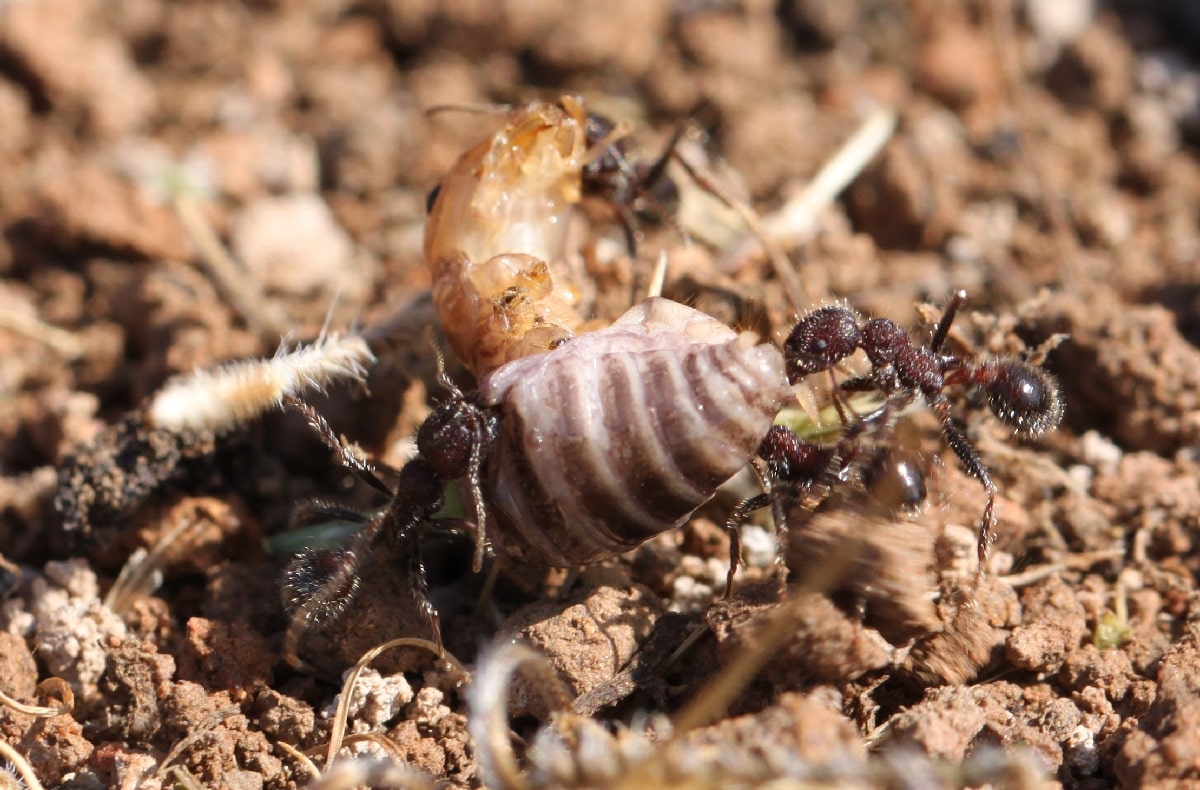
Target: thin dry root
point(796, 220)
point(64, 343)
point(49, 687)
point(305, 761)
point(343, 709)
point(141, 574)
point(487, 698)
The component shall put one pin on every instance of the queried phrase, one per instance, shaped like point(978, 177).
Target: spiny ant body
point(1020, 394)
point(804, 473)
point(452, 444)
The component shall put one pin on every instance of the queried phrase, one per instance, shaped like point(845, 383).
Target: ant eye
point(1024, 397)
point(820, 340)
point(431, 198)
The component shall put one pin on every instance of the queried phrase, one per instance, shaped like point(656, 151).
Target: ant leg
point(420, 587)
point(344, 455)
point(969, 458)
point(658, 170)
point(315, 510)
point(859, 384)
point(743, 509)
point(655, 188)
point(943, 325)
point(628, 223)
point(838, 403)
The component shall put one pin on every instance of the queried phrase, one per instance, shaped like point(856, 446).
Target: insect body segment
point(495, 239)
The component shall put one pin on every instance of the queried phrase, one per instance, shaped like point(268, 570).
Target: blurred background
point(183, 183)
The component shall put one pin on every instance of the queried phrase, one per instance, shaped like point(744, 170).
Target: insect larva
point(182, 424)
point(496, 235)
point(217, 400)
point(495, 238)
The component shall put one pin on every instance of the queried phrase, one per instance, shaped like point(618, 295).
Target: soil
point(1044, 160)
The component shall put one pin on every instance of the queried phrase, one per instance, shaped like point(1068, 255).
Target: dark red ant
point(1019, 393)
point(636, 193)
point(452, 444)
point(797, 470)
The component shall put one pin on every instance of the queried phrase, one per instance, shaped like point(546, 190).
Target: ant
point(805, 471)
point(635, 193)
point(452, 444)
point(1019, 393)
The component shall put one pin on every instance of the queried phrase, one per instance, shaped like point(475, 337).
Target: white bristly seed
point(236, 393)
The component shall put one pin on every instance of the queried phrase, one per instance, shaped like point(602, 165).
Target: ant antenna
point(942, 328)
point(476, 108)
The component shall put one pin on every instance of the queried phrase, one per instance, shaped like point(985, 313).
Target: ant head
point(610, 173)
point(1023, 396)
point(457, 431)
point(820, 340)
point(792, 459)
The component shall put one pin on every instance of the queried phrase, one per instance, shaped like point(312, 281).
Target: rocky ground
point(1043, 159)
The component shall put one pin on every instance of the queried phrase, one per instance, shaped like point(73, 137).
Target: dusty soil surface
point(1044, 160)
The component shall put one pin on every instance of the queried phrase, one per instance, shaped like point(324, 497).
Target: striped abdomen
point(619, 434)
